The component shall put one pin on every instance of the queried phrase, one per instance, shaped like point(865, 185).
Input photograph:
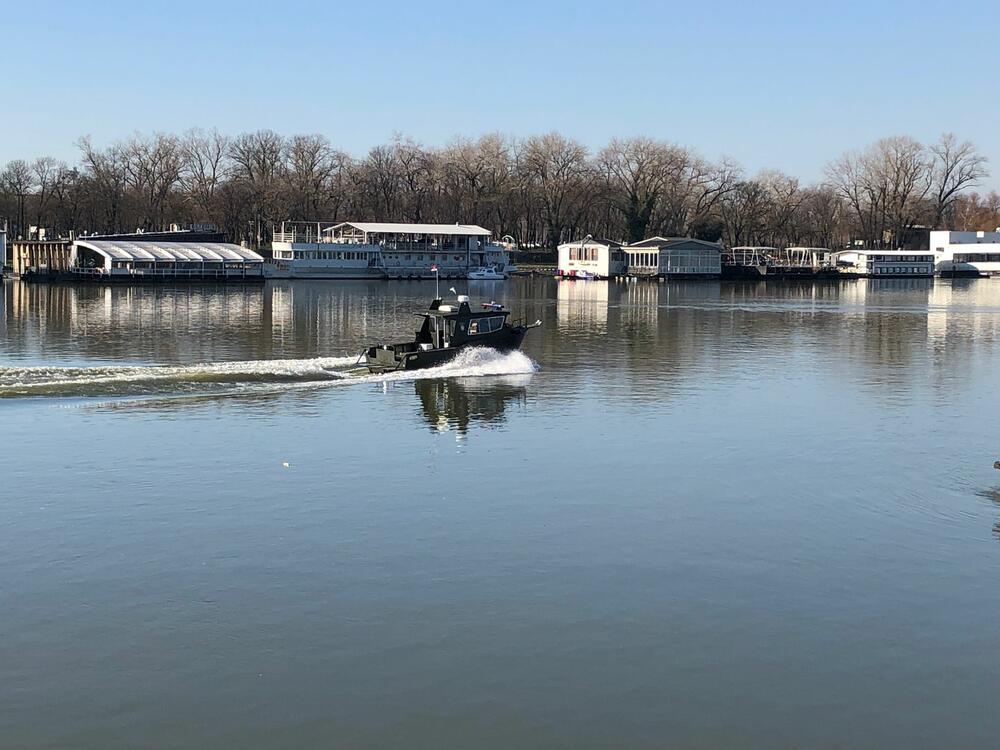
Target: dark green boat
point(448, 330)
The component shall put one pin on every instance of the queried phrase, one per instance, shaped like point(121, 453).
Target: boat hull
point(382, 360)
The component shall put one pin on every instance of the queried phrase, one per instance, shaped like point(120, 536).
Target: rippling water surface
point(703, 515)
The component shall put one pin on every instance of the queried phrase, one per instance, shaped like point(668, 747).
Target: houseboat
point(885, 263)
point(591, 258)
point(378, 250)
point(966, 253)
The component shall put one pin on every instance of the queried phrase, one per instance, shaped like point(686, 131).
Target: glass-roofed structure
point(121, 258)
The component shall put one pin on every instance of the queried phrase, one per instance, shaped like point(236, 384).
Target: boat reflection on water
point(455, 403)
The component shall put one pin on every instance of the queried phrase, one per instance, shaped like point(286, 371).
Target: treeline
point(540, 190)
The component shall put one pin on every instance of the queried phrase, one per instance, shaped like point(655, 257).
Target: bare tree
point(955, 166)
point(45, 169)
point(106, 173)
point(258, 161)
point(310, 168)
point(205, 171)
point(637, 171)
point(17, 180)
point(416, 168)
point(561, 175)
point(153, 169)
point(744, 212)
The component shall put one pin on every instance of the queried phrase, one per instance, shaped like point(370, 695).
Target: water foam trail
point(114, 379)
point(286, 373)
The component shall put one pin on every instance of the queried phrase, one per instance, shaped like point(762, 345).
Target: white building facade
point(590, 258)
point(966, 253)
point(885, 263)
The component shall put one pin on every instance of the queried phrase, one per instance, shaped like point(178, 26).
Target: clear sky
point(788, 85)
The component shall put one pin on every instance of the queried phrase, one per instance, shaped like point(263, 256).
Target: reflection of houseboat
point(582, 307)
point(364, 250)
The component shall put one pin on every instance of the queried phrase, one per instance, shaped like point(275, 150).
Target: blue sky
point(788, 85)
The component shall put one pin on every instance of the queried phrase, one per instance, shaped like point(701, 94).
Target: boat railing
point(307, 236)
point(250, 270)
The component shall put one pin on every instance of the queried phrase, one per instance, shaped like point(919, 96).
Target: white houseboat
point(365, 250)
point(591, 258)
point(885, 263)
point(674, 257)
point(966, 253)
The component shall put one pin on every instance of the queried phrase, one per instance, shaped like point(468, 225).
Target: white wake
point(215, 376)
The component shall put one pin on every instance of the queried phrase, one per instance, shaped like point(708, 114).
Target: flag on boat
point(434, 268)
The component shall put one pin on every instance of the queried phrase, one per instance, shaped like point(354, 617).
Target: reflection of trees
point(457, 402)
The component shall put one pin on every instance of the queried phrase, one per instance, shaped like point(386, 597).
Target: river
point(692, 515)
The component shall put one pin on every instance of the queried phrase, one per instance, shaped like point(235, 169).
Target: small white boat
point(487, 273)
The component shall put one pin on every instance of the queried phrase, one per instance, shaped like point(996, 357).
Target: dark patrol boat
point(446, 331)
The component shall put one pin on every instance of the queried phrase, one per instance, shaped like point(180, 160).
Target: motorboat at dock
point(487, 273)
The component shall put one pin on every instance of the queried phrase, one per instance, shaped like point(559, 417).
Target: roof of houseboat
point(592, 241)
point(171, 251)
point(382, 227)
point(656, 242)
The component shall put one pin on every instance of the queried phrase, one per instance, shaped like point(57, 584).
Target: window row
point(977, 258)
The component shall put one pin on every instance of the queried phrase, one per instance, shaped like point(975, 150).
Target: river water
point(703, 515)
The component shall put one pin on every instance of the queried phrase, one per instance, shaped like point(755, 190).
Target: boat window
point(473, 327)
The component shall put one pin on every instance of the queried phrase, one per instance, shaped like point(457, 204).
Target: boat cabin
point(448, 325)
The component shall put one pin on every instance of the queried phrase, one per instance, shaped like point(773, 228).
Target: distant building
point(137, 257)
point(966, 253)
point(885, 263)
point(40, 257)
point(674, 257)
point(593, 258)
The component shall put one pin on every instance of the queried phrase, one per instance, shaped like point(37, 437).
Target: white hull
point(302, 270)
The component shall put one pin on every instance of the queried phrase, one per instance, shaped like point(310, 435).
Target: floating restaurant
point(368, 249)
point(157, 259)
point(150, 256)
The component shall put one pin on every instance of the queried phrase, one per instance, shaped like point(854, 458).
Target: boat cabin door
point(439, 334)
